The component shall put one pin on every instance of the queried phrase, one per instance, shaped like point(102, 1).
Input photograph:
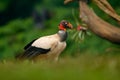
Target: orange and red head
point(65, 25)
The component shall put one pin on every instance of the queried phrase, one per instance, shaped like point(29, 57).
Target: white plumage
point(46, 41)
point(50, 42)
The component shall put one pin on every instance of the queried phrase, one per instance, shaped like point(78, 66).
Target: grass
point(84, 67)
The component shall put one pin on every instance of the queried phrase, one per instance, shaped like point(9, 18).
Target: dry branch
point(97, 25)
point(67, 1)
point(107, 8)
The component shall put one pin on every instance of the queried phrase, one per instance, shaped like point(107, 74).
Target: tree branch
point(67, 1)
point(107, 8)
point(97, 25)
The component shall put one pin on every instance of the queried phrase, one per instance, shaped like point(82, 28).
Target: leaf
point(83, 36)
point(88, 33)
point(80, 34)
point(73, 37)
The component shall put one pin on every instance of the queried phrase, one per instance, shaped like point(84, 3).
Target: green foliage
point(3, 4)
point(12, 36)
point(18, 32)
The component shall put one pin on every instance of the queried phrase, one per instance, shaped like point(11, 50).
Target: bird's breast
point(58, 49)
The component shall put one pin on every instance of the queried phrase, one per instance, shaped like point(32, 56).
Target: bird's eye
point(66, 23)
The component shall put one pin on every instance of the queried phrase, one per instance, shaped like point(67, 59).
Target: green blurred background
point(24, 20)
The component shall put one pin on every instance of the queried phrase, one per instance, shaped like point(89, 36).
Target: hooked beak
point(70, 26)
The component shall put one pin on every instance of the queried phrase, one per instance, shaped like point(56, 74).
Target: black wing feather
point(32, 52)
point(29, 44)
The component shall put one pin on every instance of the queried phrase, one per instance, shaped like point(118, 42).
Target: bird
point(47, 47)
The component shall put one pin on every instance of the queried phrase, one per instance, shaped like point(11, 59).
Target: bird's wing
point(29, 44)
point(40, 46)
point(32, 52)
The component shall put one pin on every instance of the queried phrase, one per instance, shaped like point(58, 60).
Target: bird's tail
point(19, 56)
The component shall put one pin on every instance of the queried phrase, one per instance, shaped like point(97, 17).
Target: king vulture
point(47, 47)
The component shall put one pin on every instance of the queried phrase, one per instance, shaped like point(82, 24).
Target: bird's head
point(65, 25)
